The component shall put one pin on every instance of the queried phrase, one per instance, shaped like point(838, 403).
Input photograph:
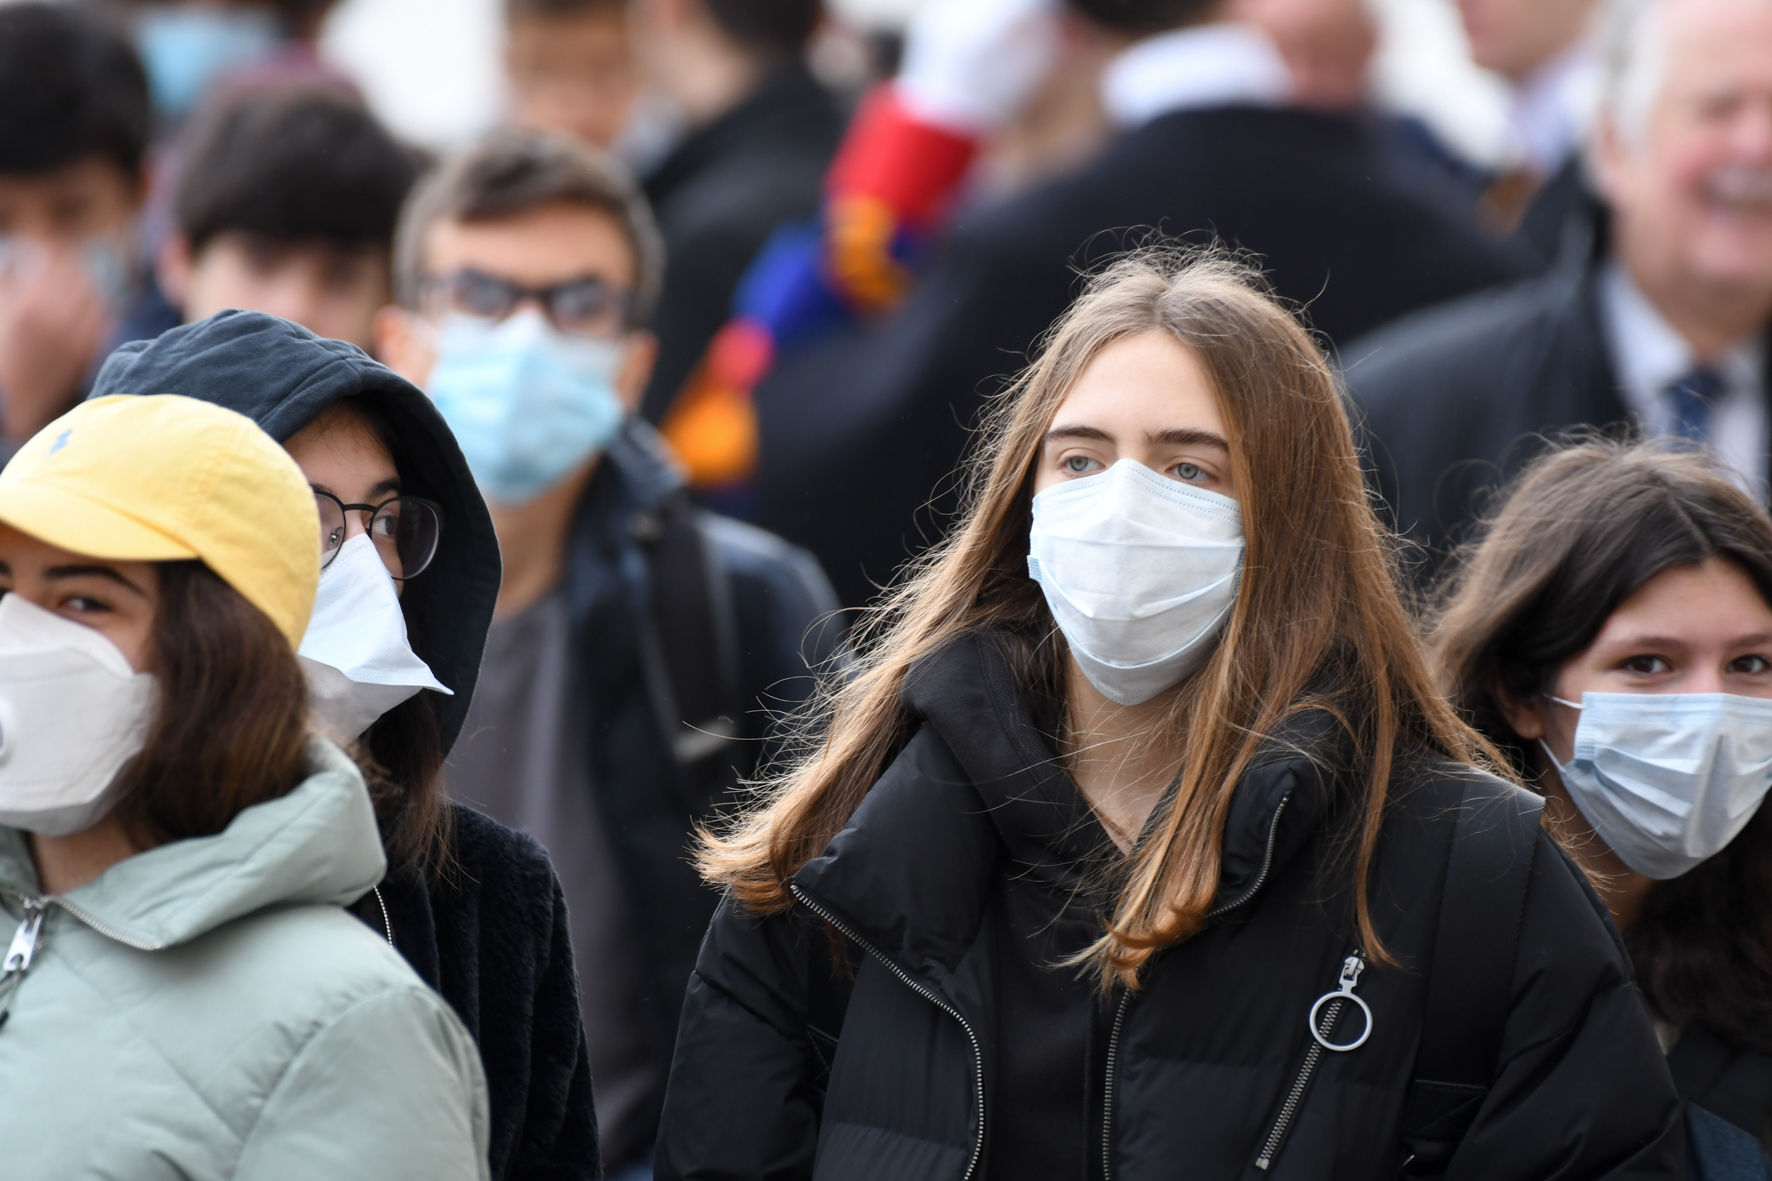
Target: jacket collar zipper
point(928, 994)
point(1113, 1050)
point(1331, 1005)
point(28, 939)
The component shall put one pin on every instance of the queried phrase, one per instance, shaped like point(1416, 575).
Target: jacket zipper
point(1113, 1050)
point(1270, 1147)
point(926, 993)
point(1107, 1093)
point(20, 953)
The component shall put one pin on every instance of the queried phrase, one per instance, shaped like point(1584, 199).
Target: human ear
point(1526, 717)
point(403, 345)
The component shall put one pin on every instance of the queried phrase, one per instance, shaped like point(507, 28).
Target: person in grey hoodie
point(184, 995)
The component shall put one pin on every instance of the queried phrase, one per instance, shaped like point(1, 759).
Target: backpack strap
point(688, 641)
point(1470, 978)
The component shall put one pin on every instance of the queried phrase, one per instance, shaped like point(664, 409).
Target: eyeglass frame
point(375, 511)
point(431, 285)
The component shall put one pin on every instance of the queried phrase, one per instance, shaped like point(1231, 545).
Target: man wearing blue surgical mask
point(639, 643)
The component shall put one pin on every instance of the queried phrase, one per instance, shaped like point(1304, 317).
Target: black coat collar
point(912, 872)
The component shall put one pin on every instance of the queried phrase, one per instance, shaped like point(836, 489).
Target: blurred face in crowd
point(1144, 398)
point(1515, 37)
point(116, 599)
point(543, 248)
point(90, 198)
point(1685, 160)
point(331, 290)
point(572, 72)
point(1327, 46)
point(66, 252)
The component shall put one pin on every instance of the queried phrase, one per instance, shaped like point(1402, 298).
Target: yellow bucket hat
point(162, 478)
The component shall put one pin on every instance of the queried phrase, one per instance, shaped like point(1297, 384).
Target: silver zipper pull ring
point(1344, 991)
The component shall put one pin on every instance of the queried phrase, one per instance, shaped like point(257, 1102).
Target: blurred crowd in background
point(851, 226)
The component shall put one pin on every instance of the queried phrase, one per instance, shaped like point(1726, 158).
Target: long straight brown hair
point(1318, 623)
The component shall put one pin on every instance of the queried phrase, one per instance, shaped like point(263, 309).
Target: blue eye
point(1076, 464)
point(1187, 471)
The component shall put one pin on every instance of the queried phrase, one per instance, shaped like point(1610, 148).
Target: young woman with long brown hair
point(1611, 631)
point(1120, 848)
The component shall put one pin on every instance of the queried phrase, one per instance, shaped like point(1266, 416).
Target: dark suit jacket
point(1454, 401)
point(857, 433)
point(719, 196)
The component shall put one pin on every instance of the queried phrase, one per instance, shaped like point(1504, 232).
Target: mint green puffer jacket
point(207, 1009)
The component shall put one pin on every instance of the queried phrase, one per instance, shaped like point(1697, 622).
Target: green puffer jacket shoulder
point(207, 1009)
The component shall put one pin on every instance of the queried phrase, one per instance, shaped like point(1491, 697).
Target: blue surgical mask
point(187, 46)
point(527, 402)
point(1668, 780)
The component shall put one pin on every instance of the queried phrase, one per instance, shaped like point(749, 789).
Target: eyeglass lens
point(584, 307)
point(404, 531)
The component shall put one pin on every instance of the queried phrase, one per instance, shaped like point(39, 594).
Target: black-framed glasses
point(404, 531)
point(587, 306)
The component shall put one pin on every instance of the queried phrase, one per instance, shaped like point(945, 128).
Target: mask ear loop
point(1549, 753)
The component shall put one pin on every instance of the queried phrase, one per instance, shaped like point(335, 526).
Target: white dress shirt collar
point(1649, 354)
point(1215, 65)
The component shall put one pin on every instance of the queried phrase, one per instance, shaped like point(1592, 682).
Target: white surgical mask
point(527, 402)
point(1668, 779)
point(355, 654)
point(72, 712)
point(1140, 571)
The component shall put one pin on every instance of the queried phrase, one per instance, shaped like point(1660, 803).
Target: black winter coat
point(786, 1068)
point(1455, 400)
point(489, 935)
point(858, 433)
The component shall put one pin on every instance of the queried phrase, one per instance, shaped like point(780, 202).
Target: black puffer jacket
point(785, 1068)
point(490, 934)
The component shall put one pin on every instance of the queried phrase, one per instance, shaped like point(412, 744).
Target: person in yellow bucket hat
point(183, 992)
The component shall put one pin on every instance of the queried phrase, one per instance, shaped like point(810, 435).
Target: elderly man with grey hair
point(1653, 321)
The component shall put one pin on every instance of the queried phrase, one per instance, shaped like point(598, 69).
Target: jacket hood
point(282, 376)
point(317, 845)
point(912, 869)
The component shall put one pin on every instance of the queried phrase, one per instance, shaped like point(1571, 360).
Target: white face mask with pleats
point(1668, 779)
point(1140, 571)
point(355, 653)
point(72, 713)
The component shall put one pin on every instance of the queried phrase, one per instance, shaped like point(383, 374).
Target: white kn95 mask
point(1140, 571)
point(72, 713)
point(355, 653)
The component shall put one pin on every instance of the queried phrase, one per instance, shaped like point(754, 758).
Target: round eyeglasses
point(404, 531)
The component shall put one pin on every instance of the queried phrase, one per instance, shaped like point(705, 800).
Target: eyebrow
point(92, 572)
point(391, 484)
point(1177, 436)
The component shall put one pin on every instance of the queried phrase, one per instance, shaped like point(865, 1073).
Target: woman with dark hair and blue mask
point(410, 574)
point(1612, 632)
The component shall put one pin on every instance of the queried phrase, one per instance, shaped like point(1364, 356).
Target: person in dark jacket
point(761, 134)
point(1613, 622)
point(474, 907)
point(1655, 319)
point(1090, 869)
point(640, 646)
point(858, 434)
